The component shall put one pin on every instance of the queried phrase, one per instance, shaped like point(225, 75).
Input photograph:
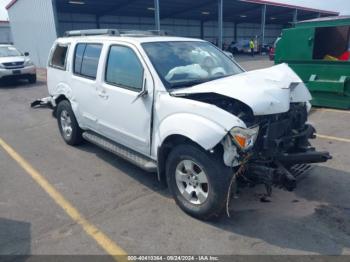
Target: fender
point(199, 129)
point(202, 123)
point(63, 89)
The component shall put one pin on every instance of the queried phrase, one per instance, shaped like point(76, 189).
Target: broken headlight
point(244, 138)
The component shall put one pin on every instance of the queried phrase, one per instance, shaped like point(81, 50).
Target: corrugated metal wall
point(178, 27)
point(33, 28)
point(189, 28)
point(5, 33)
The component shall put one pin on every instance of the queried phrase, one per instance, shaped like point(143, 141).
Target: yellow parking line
point(340, 139)
point(104, 241)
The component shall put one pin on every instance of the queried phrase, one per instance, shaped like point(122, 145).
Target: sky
point(342, 6)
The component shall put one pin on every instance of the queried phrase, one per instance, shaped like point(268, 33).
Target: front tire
point(198, 180)
point(68, 125)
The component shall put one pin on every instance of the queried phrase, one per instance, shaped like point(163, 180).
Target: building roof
point(240, 11)
point(276, 3)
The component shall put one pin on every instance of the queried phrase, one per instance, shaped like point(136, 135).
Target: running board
point(121, 151)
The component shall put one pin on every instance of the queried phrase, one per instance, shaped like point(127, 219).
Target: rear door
point(84, 83)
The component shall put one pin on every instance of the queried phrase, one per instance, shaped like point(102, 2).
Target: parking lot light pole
point(156, 14)
point(98, 24)
point(263, 23)
point(295, 16)
point(220, 22)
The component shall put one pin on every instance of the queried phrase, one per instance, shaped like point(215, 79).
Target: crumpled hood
point(11, 59)
point(265, 91)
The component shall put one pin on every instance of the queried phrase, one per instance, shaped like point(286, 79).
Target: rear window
point(86, 59)
point(59, 57)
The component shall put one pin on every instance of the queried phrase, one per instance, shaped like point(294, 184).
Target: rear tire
point(202, 200)
point(32, 79)
point(68, 125)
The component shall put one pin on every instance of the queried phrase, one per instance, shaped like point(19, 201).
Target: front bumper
point(307, 157)
point(275, 147)
point(282, 145)
point(18, 72)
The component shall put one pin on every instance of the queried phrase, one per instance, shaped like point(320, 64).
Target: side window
point(59, 55)
point(78, 58)
point(86, 59)
point(124, 68)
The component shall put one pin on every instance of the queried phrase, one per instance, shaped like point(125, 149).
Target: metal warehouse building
point(37, 23)
point(5, 32)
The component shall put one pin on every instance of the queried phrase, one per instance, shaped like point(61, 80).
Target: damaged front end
point(275, 150)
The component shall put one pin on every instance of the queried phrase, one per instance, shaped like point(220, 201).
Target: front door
point(123, 115)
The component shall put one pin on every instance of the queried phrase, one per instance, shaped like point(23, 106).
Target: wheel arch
point(164, 150)
point(57, 100)
point(185, 128)
point(168, 145)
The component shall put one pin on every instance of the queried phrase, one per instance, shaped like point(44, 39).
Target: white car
point(180, 107)
point(15, 65)
point(242, 46)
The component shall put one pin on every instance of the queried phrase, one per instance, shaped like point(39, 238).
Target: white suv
point(15, 65)
point(180, 107)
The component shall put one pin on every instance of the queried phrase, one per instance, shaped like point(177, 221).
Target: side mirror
point(143, 92)
point(26, 54)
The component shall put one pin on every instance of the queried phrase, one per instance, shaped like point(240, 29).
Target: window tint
point(90, 60)
point(59, 55)
point(86, 59)
point(124, 68)
point(78, 59)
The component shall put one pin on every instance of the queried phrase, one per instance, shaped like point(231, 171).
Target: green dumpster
point(317, 50)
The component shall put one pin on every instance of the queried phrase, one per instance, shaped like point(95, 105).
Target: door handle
point(102, 94)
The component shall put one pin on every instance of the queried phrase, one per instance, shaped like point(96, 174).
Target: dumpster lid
point(326, 19)
point(325, 22)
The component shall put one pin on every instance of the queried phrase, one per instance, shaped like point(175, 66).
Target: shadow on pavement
point(15, 240)
point(15, 83)
point(147, 179)
point(315, 218)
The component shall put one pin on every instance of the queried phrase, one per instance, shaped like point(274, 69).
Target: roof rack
point(142, 33)
point(110, 32)
point(115, 32)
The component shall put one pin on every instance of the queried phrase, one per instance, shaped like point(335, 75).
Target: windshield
point(184, 64)
point(6, 51)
